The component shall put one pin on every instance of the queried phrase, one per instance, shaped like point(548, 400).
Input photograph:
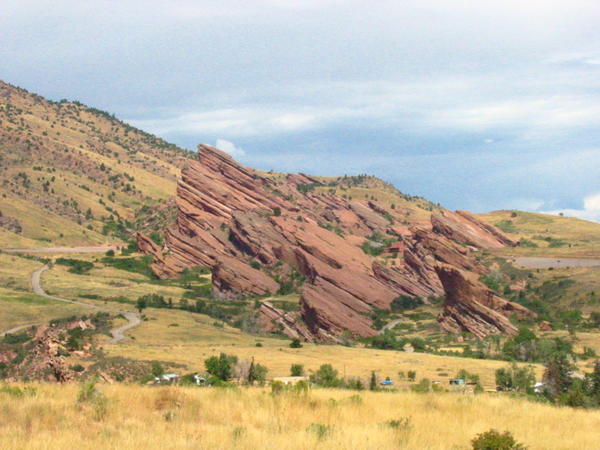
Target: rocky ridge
point(262, 235)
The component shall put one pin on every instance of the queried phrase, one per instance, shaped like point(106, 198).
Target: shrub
point(277, 387)
point(296, 343)
point(297, 370)
point(494, 440)
point(405, 302)
point(321, 430)
point(157, 369)
point(326, 376)
point(411, 375)
point(89, 395)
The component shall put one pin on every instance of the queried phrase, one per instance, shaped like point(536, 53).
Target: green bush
point(76, 266)
point(221, 367)
point(297, 370)
point(296, 343)
point(326, 376)
point(494, 440)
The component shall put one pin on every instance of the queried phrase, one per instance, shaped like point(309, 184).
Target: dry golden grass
point(584, 236)
point(17, 305)
point(187, 338)
point(137, 417)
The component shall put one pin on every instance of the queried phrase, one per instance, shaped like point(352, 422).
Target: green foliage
point(157, 369)
point(257, 373)
point(76, 266)
point(514, 378)
point(326, 376)
point(140, 304)
point(373, 381)
point(411, 375)
point(422, 387)
point(321, 430)
point(405, 302)
point(507, 226)
point(88, 394)
point(526, 346)
point(296, 343)
point(557, 376)
point(494, 440)
point(305, 188)
point(371, 248)
point(221, 367)
point(297, 370)
point(16, 338)
point(139, 265)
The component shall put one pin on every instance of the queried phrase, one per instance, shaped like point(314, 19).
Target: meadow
point(131, 417)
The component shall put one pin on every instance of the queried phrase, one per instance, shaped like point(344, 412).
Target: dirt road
point(390, 325)
point(16, 329)
point(533, 262)
point(118, 334)
point(97, 249)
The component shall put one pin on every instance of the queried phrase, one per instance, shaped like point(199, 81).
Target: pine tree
point(373, 381)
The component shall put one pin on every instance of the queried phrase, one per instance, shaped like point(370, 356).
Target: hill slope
point(69, 174)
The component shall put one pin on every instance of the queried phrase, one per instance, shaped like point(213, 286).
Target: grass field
point(17, 305)
point(133, 417)
point(189, 339)
point(576, 237)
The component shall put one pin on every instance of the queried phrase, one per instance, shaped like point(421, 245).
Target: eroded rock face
point(464, 227)
point(253, 230)
point(471, 306)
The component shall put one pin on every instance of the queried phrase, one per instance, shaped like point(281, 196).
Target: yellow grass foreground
point(137, 417)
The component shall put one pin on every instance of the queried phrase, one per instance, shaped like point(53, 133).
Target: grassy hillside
point(132, 417)
point(547, 235)
point(70, 174)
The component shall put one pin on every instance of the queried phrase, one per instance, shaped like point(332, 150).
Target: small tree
point(140, 305)
point(297, 370)
point(221, 367)
point(558, 375)
point(411, 375)
point(326, 376)
point(373, 381)
point(296, 343)
point(257, 372)
point(157, 369)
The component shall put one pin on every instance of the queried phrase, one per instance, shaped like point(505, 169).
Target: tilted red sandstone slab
point(471, 306)
point(230, 215)
point(464, 227)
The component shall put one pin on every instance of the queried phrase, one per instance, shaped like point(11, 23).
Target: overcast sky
point(478, 105)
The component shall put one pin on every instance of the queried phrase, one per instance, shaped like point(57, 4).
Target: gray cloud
point(480, 105)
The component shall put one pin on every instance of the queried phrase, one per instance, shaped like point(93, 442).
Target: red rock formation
point(464, 227)
point(251, 228)
point(274, 319)
point(471, 306)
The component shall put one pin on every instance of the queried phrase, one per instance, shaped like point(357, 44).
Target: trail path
point(535, 262)
point(390, 325)
point(118, 334)
point(16, 329)
point(97, 249)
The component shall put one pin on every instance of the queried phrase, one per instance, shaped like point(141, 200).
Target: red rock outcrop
point(464, 227)
point(471, 306)
point(253, 229)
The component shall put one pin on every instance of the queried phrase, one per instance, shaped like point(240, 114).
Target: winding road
point(390, 325)
point(118, 334)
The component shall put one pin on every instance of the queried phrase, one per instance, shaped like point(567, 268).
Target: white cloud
point(590, 210)
point(230, 148)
